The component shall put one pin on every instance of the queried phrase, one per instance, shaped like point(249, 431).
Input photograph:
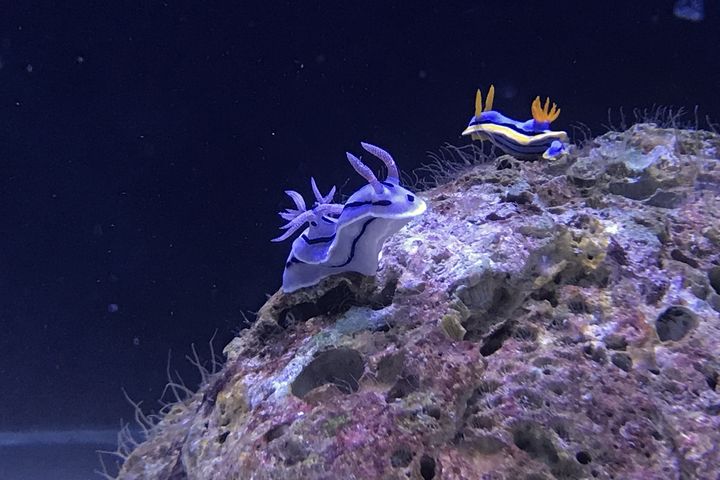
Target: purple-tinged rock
point(535, 323)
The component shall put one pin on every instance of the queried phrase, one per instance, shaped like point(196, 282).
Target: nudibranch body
point(524, 140)
point(347, 237)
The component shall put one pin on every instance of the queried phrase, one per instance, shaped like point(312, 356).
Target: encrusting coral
point(541, 320)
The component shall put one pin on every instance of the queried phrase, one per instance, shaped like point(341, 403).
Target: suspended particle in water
point(693, 10)
point(113, 308)
point(29, 68)
point(508, 91)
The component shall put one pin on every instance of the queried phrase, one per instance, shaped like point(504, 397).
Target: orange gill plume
point(543, 113)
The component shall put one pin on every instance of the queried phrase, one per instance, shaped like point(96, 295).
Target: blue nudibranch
point(524, 140)
point(346, 237)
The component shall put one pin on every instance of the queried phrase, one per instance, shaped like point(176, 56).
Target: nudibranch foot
point(347, 237)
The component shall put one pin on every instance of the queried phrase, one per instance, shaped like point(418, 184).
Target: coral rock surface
point(541, 320)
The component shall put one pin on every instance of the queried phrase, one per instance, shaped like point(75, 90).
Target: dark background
point(145, 147)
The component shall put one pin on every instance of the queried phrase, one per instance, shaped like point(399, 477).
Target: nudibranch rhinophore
point(346, 237)
point(523, 140)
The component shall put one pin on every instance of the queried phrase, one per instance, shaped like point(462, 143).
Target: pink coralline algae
point(542, 320)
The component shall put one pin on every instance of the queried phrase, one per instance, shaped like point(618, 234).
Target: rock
point(615, 342)
point(622, 361)
point(540, 321)
point(637, 188)
point(665, 199)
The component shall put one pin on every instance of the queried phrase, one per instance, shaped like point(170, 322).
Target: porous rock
point(532, 324)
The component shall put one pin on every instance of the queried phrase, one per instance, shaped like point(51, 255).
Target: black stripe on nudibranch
point(292, 261)
point(354, 243)
point(388, 184)
point(411, 198)
point(356, 204)
point(313, 241)
point(377, 203)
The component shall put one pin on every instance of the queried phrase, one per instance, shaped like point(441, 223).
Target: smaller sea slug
point(523, 140)
point(346, 237)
